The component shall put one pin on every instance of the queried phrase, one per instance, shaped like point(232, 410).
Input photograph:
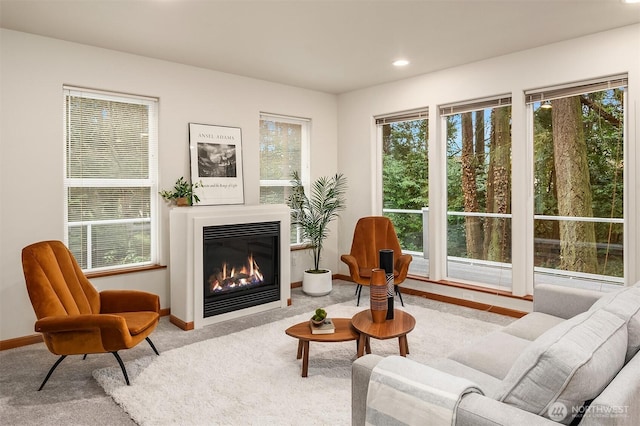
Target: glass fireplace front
point(241, 266)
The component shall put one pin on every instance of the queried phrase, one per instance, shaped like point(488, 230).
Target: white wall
point(33, 70)
point(598, 55)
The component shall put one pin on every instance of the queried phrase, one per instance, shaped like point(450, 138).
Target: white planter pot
point(317, 284)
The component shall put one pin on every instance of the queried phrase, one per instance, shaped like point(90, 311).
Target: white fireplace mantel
point(186, 225)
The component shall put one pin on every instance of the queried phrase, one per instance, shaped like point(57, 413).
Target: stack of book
point(326, 327)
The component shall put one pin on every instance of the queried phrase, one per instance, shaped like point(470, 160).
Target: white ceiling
point(331, 46)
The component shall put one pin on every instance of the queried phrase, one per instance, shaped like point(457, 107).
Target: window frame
point(151, 181)
point(505, 275)
point(305, 159)
point(379, 122)
point(546, 94)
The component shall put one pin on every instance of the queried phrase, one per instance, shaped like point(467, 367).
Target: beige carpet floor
point(73, 397)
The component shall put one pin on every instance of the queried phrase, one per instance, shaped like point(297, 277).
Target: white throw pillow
point(569, 364)
point(624, 303)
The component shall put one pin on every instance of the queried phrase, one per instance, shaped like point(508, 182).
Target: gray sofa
point(575, 346)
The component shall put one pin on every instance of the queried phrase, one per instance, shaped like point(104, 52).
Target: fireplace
point(241, 266)
point(227, 262)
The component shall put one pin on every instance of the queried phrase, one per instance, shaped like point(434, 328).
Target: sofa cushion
point(569, 364)
point(486, 382)
point(625, 303)
point(493, 354)
point(532, 325)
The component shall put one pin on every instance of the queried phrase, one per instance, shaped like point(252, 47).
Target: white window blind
point(410, 115)
point(475, 105)
point(284, 148)
point(563, 91)
point(110, 178)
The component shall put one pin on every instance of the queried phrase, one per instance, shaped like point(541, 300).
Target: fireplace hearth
point(227, 262)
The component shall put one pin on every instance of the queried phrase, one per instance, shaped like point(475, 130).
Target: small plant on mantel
point(182, 193)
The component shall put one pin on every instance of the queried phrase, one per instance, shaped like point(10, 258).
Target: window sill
point(302, 246)
point(122, 271)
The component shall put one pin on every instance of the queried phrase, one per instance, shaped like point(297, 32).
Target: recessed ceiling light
point(400, 63)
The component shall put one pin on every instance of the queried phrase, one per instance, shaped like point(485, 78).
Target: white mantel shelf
point(186, 225)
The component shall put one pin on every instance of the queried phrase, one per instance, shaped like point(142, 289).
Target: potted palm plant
point(313, 215)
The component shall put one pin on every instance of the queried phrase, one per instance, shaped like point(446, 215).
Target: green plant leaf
point(313, 215)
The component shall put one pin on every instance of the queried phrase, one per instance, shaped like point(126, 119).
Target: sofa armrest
point(479, 410)
point(619, 402)
point(563, 302)
point(474, 409)
point(360, 374)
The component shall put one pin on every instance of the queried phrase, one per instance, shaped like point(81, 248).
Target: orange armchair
point(73, 317)
point(372, 234)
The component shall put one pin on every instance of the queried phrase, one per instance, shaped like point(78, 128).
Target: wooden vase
point(378, 295)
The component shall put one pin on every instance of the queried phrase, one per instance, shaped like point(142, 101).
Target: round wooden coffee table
point(401, 324)
point(344, 332)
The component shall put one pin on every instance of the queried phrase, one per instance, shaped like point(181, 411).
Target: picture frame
point(216, 161)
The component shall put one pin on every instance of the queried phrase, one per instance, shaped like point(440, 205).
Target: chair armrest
point(402, 266)
point(352, 263)
point(87, 333)
point(114, 301)
point(69, 323)
point(563, 302)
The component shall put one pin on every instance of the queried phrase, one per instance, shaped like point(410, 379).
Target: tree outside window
point(578, 184)
point(479, 191)
point(405, 182)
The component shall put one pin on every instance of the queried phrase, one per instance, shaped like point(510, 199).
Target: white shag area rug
point(252, 377)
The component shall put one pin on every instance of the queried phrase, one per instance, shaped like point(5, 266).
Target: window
point(478, 137)
point(405, 182)
point(110, 178)
point(284, 148)
point(578, 153)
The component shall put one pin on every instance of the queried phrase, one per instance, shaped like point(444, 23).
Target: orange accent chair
point(372, 234)
point(73, 317)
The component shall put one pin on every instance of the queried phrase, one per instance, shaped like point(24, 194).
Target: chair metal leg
point(399, 294)
point(124, 370)
point(152, 346)
point(358, 292)
point(357, 288)
point(51, 371)
point(115, 354)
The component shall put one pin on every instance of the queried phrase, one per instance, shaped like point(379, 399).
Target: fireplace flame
point(248, 274)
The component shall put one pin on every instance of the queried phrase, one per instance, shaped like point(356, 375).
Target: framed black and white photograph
point(216, 161)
